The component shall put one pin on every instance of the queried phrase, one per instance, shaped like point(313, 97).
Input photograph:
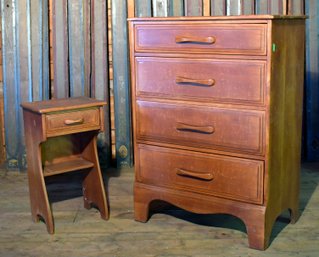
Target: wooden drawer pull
point(199, 82)
point(74, 122)
point(193, 174)
point(195, 40)
point(196, 129)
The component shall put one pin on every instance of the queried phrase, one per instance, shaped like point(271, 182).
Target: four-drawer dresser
point(217, 113)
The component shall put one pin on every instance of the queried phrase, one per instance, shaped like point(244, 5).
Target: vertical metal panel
point(87, 45)
point(233, 7)
point(312, 80)
point(262, 6)
point(76, 47)
point(176, 8)
point(60, 49)
point(16, 75)
point(99, 82)
point(143, 8)
point(276, 7)
point(121, 84)
point(218, 7)
point(160, 8)
point(39, 49)
point(248, 7)
point(193, 7)
point(296, 7)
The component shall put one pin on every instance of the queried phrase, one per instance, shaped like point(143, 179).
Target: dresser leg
point(142, 199)
point(141, 211)
point(259, 231)
point(294, 215)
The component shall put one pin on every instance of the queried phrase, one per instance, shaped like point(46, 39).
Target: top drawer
point(249, 39)
point(74, 121)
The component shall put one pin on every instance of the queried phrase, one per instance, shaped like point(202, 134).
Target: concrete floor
point(173, 232)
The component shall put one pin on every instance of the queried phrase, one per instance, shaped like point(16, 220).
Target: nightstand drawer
point(203, 127)
point(201, 38)
point(72, 121)
point(223, 176)
point(202, 80)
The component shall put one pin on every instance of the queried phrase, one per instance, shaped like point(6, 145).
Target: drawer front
point(72, 121)
point(204, 127)
point(202, 38)
point(228, 177)
point(202, 80)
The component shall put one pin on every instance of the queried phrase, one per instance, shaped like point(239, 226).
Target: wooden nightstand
point(61, 137)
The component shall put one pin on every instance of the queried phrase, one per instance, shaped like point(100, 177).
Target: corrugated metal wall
point(78, 61)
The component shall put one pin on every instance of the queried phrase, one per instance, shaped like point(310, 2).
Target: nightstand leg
point(94, 193)
point(40, 207)
point(93, 185)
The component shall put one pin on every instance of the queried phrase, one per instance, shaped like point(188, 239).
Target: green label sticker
point(274, 47)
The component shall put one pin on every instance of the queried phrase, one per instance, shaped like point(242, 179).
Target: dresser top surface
point(221, 18)
point(62, 104)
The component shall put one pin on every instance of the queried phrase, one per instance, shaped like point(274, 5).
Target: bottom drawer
point(228, 177)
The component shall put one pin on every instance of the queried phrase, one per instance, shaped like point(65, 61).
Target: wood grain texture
point(233, 7)
point(262, 6)
point(60, 49)
point(39, 49)
point(143, 8)
point(77, 42)
point(193, 7)
point(176, 8)
point(218, 7)
point(160, 8)
point(248, 7)
point(121, 85)
point(99, 84)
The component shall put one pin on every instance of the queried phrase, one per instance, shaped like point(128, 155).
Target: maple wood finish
point(217, 109)
point(61, 137)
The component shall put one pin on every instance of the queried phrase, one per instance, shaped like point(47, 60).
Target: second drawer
point(229, 177)
point(235, 81)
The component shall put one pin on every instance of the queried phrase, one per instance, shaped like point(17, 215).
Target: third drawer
point(235, 130)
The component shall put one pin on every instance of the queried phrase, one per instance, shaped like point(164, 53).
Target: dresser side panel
point(285, 117)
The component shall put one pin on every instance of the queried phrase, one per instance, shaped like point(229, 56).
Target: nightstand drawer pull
point(196, 82)
point(193, 174)
point(74, 122)
point(196, 129)
point(195, 40)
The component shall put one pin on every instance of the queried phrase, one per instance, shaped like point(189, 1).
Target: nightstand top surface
point(62, 104)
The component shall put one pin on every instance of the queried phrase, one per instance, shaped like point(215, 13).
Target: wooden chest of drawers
point(217, 110)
